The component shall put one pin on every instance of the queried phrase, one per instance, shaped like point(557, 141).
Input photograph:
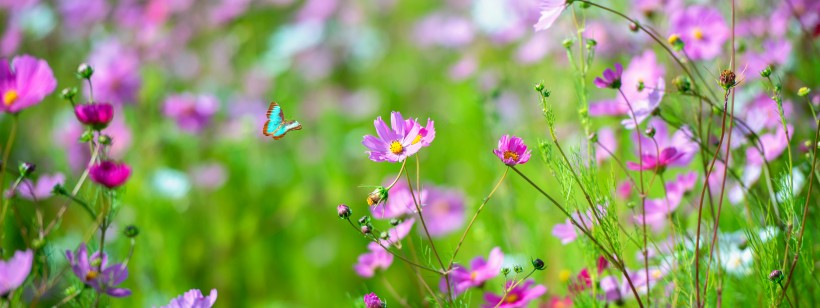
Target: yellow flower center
point(509, 154)
point(564, 275)
point(91, 275)
point(674, 38)
point(697, 33)
point(473, 275)
point(417, 140)
point(10, 97)
point(511, 298)
point(656, 274)
point(396, 147)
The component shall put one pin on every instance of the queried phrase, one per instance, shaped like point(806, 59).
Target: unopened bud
point(377, 196)
point(727, 79)
point(650, 132)
point(343, 211)
point(84, 71)
point(395, 222)
point(683, 84)
point(766, 72)
point(105, 139)
point(131, 231)
point(538, 264)
point(367, 229)
point(776, 276)
point(27, 169)
point(802, 92)
point(633, 27)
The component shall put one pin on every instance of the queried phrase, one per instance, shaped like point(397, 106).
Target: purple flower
point(610, 78)
point(512, 150)
point(109, 173)
point(775, 53)
point(14, 271)
point(96, 115)
point(373, 301)
point(773, 145)
point(657, 210)
point(567, 233)
point(396, 144)
point(520, 296)
point(443, 211)
point(42, 189)
point(193, 299)
point(644, 106)
point(481, 271)
point(192, 113)
point(550, 10)
point(444, 30)
point(376, 258)
point(675, 151)
point(24, 83)
point(116, 73)
point(702, 29)
point(606, 138)
point(96, 273)
point(641, 76)
point(82, 14)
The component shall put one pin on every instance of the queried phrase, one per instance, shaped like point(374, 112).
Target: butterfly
point(276, 126)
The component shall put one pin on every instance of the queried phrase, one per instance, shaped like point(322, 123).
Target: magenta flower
point(550, 10)
point(96, 115)
point(774, 144)
point(192, 113)
point(658, 210)
point(512, 150)
point(88, 270)
point(567, 233)
point(14, 271)
point(396, 144)
point(41, 189)
point(675, 151)
point(373, 301)
point(520, 296)
point(109, 173)
point(702, 29)
point(193, 299)
point(610, 79)
point(606, 138)
point(443, 211)
point(482, 270)
point(24, 83)
point(376, 258)
point(116, 73)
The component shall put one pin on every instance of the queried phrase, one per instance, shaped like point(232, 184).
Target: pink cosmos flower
point(376, 258)
point(116, 73)
point(373, 301)
point(193, 299)
point(550, 10)
point(88, 271)
point(14, 271)
point(24, 83)
point(520, 296)
point(481, 270)
point(396, 144)
point(96, 115)
point(192, 113)
point(40, 190)
point(443, 211)
point(567, 233)
point(675, 151)
point(658, 210)
point(641, 79)
point(512, 150)
point(702, 29)
point(610, 79)
point(606, 138)
point(110, 174)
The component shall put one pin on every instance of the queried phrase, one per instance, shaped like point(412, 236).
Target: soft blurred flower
point(24, 82)
point(96, 115)
point(42, 189)
point(550, 10)
point(210, 176)
point(14, 271)
point(192, 113)
point(443, 211)
point(116, 73)
point(702, 29)
point(558, 302)
point(393, 145)
point(774, 53)
point(567, 233)
point(608, 144)
point(444, 30)
point(512, 150)
point(376, 258)
point(109, 174)
point(11, 39)
point(373, 301)
point(644, 107)
point(676, 151)
point(610, 79)
point(79, 15)
point(193, 299)
point(658, 210)
point(774, 144)
point(88, 271)
point(171, 183)
point(519, 296)
point(480, 271)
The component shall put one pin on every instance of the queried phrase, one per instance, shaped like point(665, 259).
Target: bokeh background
point(221, 206)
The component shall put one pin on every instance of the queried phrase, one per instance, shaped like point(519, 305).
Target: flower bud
point(395, 222)
point(367, 229)
point(364, 220)
point(802, 92)
point(676, 42)
point(650, 132)
point(776, 276)
point(384, 235)
point(105, 139)
point(131, 231)
point(591, 43)
point(567, 43)
point(87, 136)
point(96, 115)
point(633, 27)
point(518, 269)
point(505, 271)
point(539, 87)
point(593, 137)
point(37, 243)
point(344, 211)
point(84, 71)
point(727, 79)
point(27, 169)
point(683, 84)
point(69, 94)
point(539, 264)
point(378, 195)
point(766, 72)
point(59, 189)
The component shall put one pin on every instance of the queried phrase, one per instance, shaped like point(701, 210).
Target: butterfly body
point(276, 126)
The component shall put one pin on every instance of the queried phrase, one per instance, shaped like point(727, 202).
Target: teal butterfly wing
point(276, 126)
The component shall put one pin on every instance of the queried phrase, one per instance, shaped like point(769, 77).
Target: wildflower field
point(388, 153)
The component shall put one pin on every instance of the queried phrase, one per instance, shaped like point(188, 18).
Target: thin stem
point(83, 177)
point(515, 284)
point(3, 167)
point(470, 225)
point(377, 241)
point(805, 213)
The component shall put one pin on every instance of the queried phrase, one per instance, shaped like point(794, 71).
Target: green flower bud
point(803, 92)
point(85, 71)
point(131, 231)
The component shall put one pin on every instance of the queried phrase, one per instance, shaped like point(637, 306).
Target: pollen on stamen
point(697, 33)
point(396, 147)
point(91, 275)
point(510, 154)
point(10, 97)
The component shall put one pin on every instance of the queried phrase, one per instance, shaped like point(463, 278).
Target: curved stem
point(3, 168)
point(470, 225)
point(429, 238)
